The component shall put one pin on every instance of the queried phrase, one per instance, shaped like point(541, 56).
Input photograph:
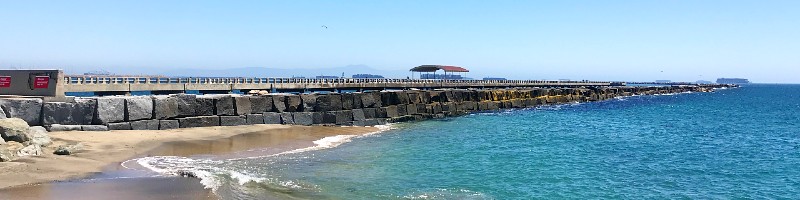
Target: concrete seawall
point(357, 109)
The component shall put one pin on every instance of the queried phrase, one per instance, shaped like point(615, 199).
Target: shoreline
point(105, 152)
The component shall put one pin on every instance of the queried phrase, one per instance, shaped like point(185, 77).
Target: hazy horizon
point(594, 40)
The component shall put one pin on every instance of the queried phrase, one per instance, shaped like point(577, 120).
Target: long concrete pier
point(160, 85)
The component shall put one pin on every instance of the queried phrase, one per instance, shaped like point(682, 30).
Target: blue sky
point(598, 40)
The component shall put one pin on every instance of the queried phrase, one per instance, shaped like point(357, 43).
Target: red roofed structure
point(434, 68)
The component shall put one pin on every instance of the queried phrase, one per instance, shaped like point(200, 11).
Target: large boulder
point(223, 104)
point(303, 118)
point(287, 118)
point(76, 113)
point(168, 124)
point(328, 102)
point(165, 107)
point(187, 104)
point(309, 101)
point(201, 121)
point(14, 129)
point(293, 103)
point(260, 104)
point(145, 125)
point(272, 118)
point(109, 110)
point(39, 136)
point(347, 101)
point(30, 150)
point(28, 109)
point(204, 106)
point(138, 108)
point(279, 103)
point(318, 118)
point(232, 120)
point(358, 115)
point(255, 118)
point(243, 105)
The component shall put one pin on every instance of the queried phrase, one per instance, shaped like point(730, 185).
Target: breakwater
point(162, 112)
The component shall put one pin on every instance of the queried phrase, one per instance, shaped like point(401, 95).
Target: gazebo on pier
point(433, 68)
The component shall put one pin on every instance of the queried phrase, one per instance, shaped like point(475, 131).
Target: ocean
point(733, 143)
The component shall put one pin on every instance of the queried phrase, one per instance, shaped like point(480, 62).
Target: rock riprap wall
point(354, 109)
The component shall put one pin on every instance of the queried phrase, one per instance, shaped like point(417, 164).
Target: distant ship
point(732, 81)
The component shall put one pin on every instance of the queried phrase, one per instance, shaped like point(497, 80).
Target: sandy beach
point(32, 177)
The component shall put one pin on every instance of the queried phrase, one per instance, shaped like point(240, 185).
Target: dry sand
point(104, 151)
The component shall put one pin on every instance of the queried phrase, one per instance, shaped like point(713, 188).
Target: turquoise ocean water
point(734, 143)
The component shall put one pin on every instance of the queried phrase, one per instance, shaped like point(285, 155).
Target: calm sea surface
point(733, 143)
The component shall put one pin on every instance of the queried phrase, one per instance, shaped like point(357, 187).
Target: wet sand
point(44, 177)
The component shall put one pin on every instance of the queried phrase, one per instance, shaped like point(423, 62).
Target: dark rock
point(69, 149)
point(367, 100)
point(329, 102)
point(165, 107)
point(390, 98)
point(145, 125)
point(318, 117)
point(243, 105)
point(232, 120)
point(59, 127)
point(411, 109)
point(329, 117)
point(358, 123)
point(402, 109)
point(68, 113)
point(391, 111)
point(255, 118)
point(201, 121)
point(137, 108)
point(260, 104)
point(278, 103)
point(380, 112)
point(371, 122)
point(286, 118)
point(204, 106)
point(309, 101)
point(272, 118)
point(224, 105)
point(402, 96)
point(357, 104)
point(120, 126)
point(93, 128)
point(187, 105)
point(358, 115)
point(293, 103)
point(168, 124)
point(344, 116)
point(370, 113)
point(28, 109)
point(303, 118)
point(347, 101)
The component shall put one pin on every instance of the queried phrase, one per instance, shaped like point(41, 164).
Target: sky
point(636, 40)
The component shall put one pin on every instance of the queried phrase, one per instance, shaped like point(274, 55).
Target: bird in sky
point(323, 26)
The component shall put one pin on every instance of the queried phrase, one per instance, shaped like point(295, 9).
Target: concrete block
point(224, 105)
point(242, 105)
point(358, 115)
point(109, 110)
point(165, 107)
point(411, 109)
point(370, 99)
point(145, 125)
point(303, 118)
point(120, 126)
point(260, 104)
point(357, 104)
point(402, 109)
point(329, 117)
point(344, 116)
point(293, 103)
point(272, 118)
point(329, 102)
point(286, 118)
point(309, 101)
point(232, 120)
point(138, 108)
point(168, 124)
point(391, 111)
point(80, 112)
point(201, 121)
point(94, 128)
point(27, 109)
point(255, 118)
